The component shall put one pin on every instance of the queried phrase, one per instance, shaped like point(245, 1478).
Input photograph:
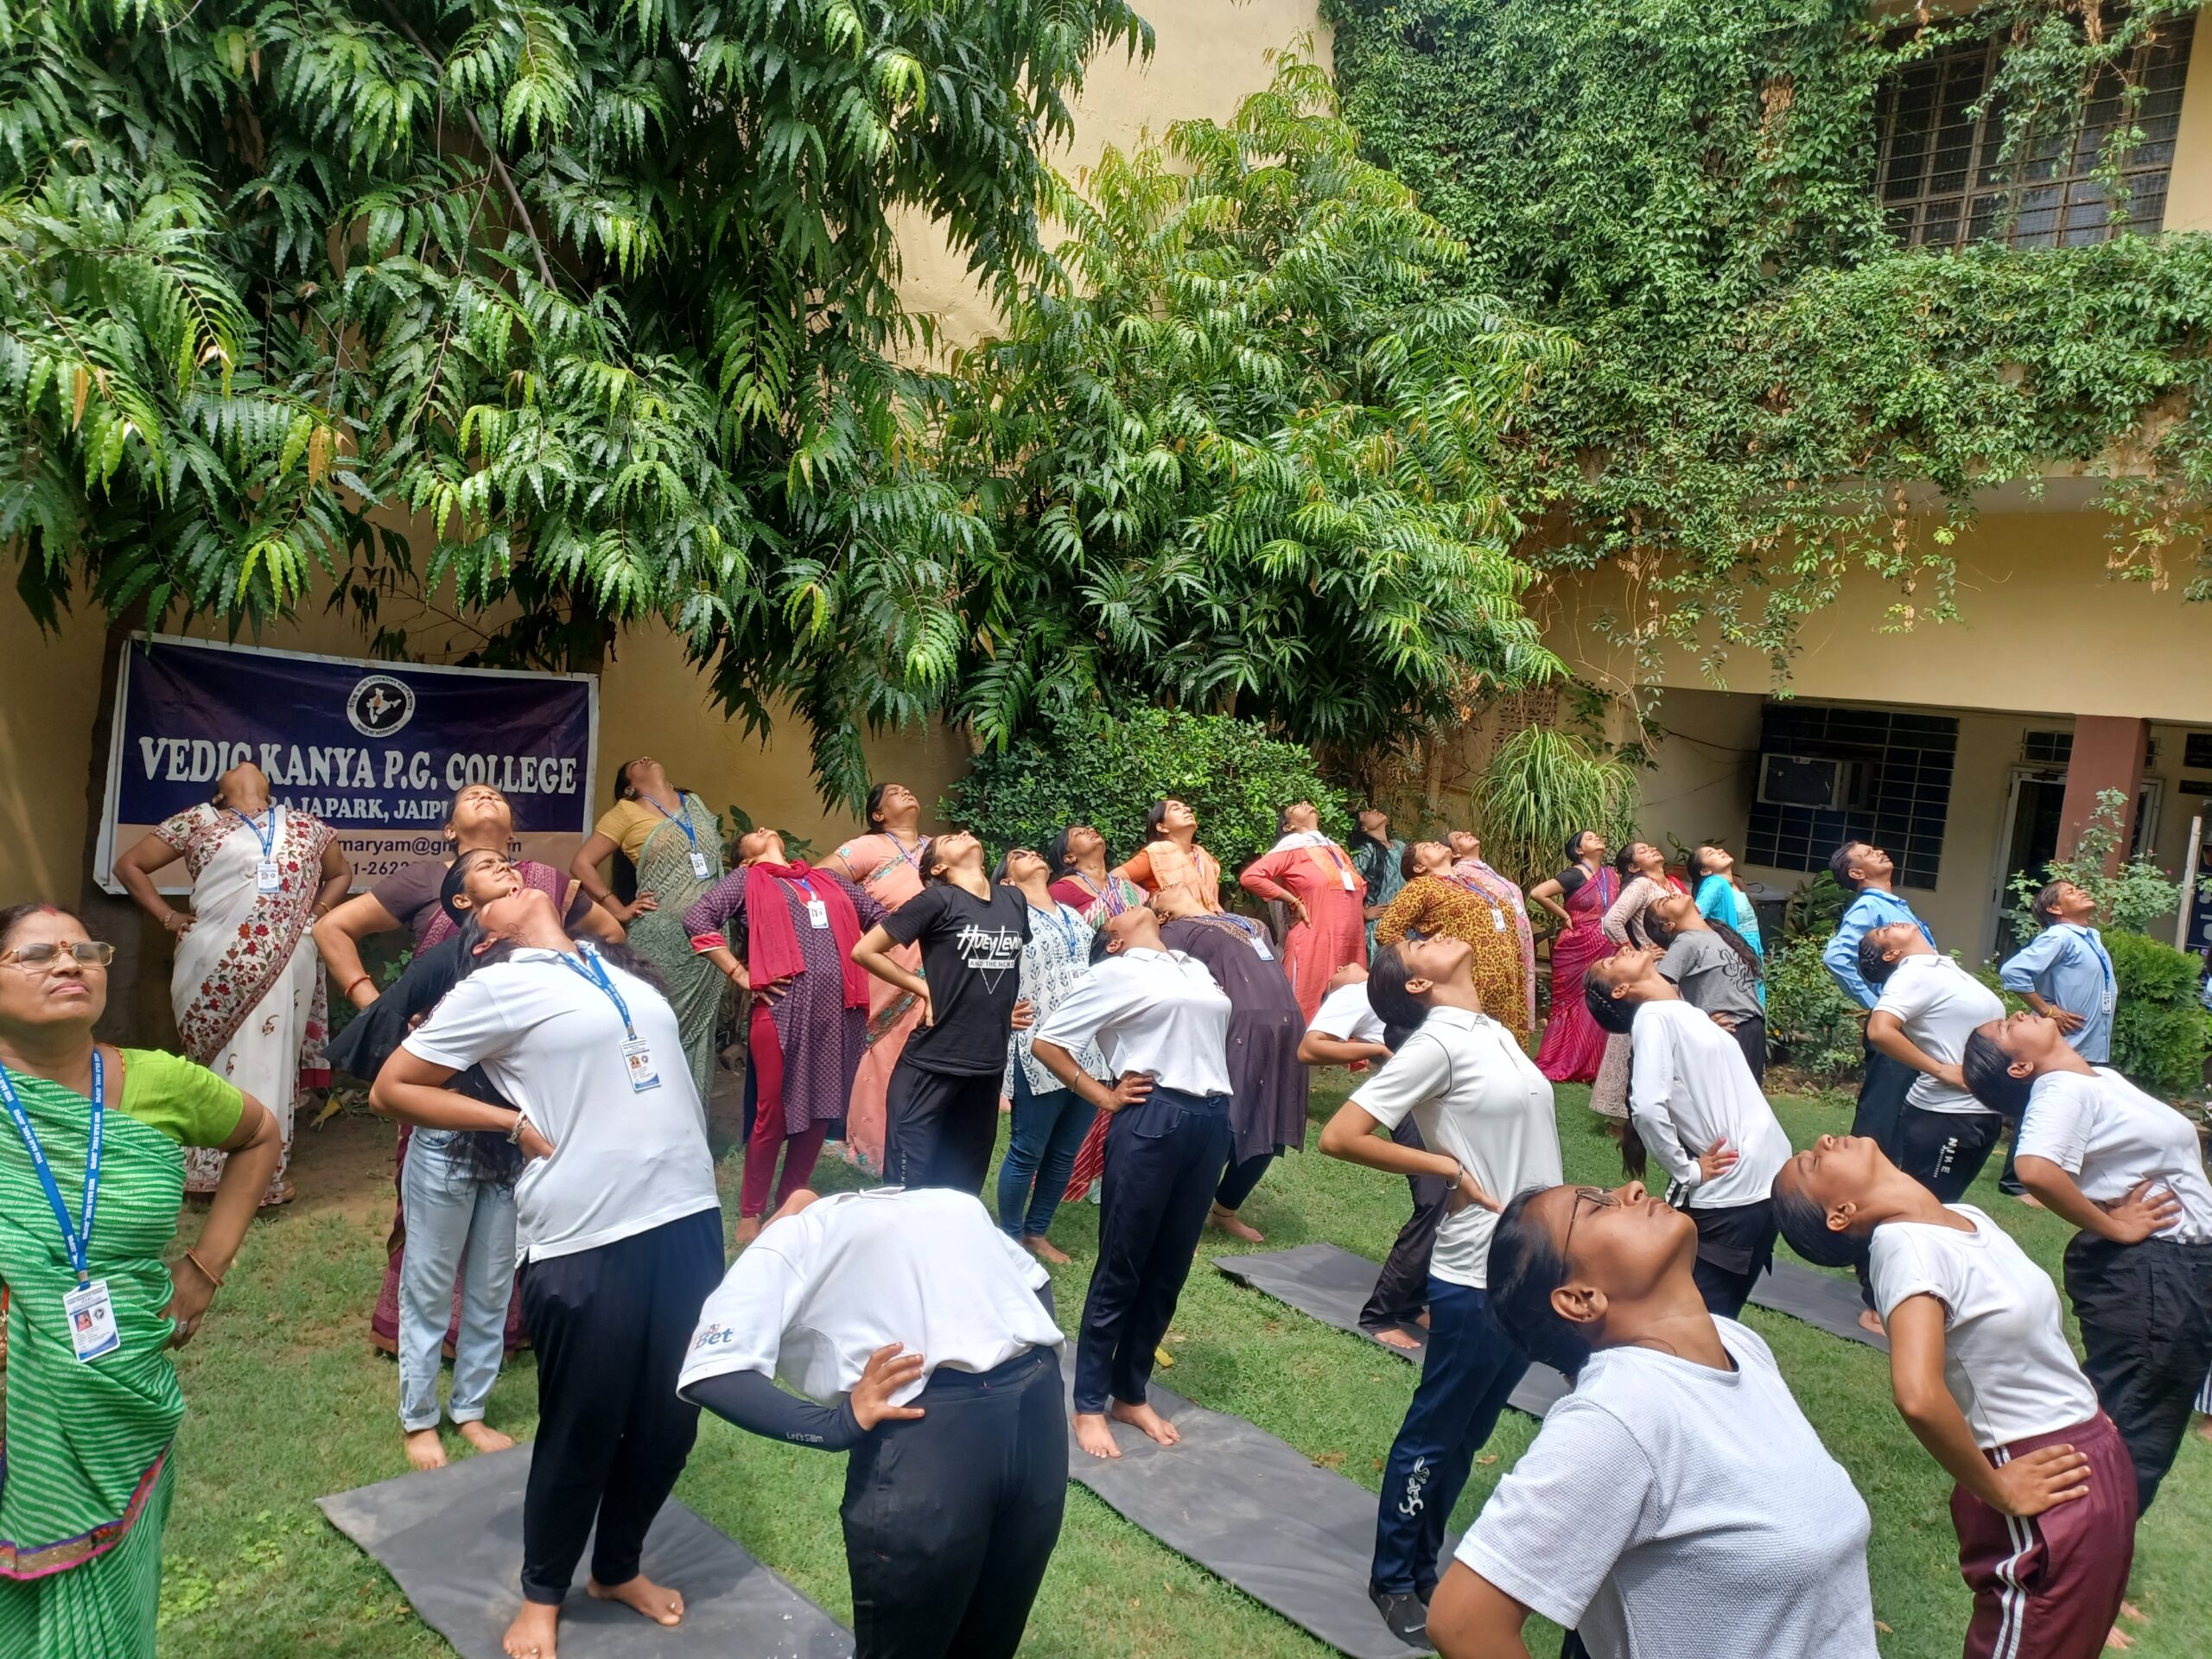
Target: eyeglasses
point(1596, 1199)
point(42, 958)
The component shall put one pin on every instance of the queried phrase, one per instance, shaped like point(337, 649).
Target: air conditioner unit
point(1807, 781)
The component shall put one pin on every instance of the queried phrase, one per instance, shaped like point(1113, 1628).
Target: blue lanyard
point(806, 888)
point(1071, 932)
point(2096, 948)
point(594, 973)
point(268, 840)
point(77, 1241)
point(1110, 894)
point(683, 822)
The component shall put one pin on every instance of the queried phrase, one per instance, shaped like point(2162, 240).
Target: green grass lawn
point(287, 1402)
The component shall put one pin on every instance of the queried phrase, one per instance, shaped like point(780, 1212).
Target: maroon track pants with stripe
point(2050, 1586)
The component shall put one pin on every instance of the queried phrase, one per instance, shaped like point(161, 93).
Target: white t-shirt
point(1157, 1011)
point(2108, 1135)
point(1668, 1510)
point(624, 1160)
point(1940, 1005)
point(1476, 1095)
point(819, 1292)
point(1347, 1015)
point(2006, 1358)
point(1689, 1086)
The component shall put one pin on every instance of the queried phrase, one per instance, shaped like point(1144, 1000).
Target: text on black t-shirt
point(971, 956)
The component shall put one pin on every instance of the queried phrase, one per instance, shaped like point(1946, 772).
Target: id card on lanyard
point(817, 912)
point(268, 876)
point(636, 1053)
point(88, 1310)
point(1343, 864)
point(699, 867)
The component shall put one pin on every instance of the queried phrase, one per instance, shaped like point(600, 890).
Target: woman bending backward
point(1980, 1368)
point(1677, 1504)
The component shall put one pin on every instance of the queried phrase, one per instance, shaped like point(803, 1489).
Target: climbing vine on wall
point(1769, 385)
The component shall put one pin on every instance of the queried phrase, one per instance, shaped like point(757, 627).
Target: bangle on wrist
point(205, 1272)
point(358, 979)
point(515, 1130)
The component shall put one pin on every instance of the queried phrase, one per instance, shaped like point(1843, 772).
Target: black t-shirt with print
point(971, 956)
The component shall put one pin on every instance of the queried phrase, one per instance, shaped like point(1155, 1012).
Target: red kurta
point(1334, 932)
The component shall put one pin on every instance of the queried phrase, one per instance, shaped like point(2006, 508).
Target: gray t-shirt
point(1711, 976)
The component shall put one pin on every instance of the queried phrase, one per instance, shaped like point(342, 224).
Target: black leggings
point(939, 1127)
point(611, 1327)
point(1402, 1288)
point(950, 1517)
point(1239, 1178)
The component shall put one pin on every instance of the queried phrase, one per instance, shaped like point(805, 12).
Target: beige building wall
point(2114, 647)
point(1208, 56)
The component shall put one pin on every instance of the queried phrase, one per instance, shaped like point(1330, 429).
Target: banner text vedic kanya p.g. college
point(376, 750)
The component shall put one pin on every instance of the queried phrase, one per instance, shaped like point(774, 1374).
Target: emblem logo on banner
point(380, 705)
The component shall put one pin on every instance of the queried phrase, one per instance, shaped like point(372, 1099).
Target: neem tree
point(598, 299)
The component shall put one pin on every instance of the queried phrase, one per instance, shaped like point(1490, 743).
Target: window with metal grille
point(2046, 748)
point(1938, 173)
point(1905, 763)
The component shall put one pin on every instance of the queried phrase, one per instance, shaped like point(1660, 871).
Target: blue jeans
point(1048, 1131)
point(1471, 1366)
point(458, 1226)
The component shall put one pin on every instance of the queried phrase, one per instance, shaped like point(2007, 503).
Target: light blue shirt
point(1873, 908)
point(2066, 966)
point(1719, 900)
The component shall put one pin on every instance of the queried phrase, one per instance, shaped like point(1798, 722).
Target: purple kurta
point(1267, 1085)
point(822, 1040)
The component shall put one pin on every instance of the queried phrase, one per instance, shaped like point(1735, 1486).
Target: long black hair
point(1526, 1265)
point(1659, 933)
point(1575, 846)
point(1805, 1224)
point(1393, 1005)
point(1361, 840)
point(1615, 1016)
point(1988, 1072)
point(1154, 814)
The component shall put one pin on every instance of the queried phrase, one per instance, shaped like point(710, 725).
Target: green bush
point(1811, 1024)
point(2161, 1033)
point(1231, 772)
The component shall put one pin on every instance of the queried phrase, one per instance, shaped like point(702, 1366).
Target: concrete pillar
point(2107, 754)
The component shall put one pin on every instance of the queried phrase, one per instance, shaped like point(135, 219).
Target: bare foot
point(748, 1229)
point(2204, 1428)
point(1871, 1322)
point(2030, 1200)
point(1422, 1319)
point(1226, 1221)
point(1394, 1338)
point(424, 1449)
point(2129, 1609)
point(1043, 1249)
point(1093, 1436)
point(2119, 1639)
point(531, 1637)
point(1154, 1426)
point(655, 1601)
point(485, 1438)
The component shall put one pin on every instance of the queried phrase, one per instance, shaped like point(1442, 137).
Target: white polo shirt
point(819, 1292)
point(1940, 1005)
point(1155, 1011)
point(1476, 1095)
point(624, 1160)
point(1347, 1015)
point(2005, 1357)
point(2108, 1135)
point(1668, 1510)
point(1689, 1087)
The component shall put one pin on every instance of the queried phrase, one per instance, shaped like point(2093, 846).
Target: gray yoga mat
point(1332, 1285)
point(453, 1539)
point(1255, 1511)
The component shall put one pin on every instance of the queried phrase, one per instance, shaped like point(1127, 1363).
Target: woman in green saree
point(85, 1472)
point(673, 840)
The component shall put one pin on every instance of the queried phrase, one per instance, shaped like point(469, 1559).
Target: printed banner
point(375, 750)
